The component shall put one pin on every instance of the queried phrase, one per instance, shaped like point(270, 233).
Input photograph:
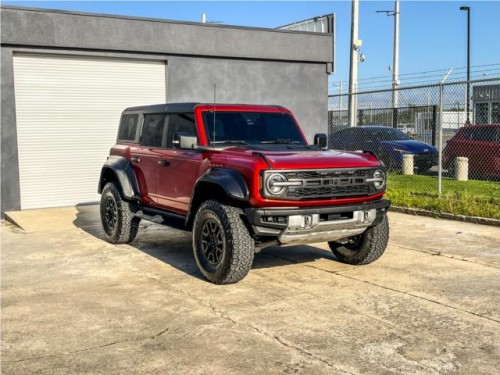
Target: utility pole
point(467, 9)
point(340, 97)
point(395, 58)
point(353, 65)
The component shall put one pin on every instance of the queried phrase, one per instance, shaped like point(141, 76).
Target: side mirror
point(320, 140)
point(185, 141)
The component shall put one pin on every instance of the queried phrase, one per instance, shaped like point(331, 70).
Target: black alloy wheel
point(110, 215)
point(212, 241)
point(118, 219)
point(352, 243)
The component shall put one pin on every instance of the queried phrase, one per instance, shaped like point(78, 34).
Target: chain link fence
point(434, 160)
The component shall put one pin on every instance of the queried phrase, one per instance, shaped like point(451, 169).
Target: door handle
point(135, 159)
point(163, 163)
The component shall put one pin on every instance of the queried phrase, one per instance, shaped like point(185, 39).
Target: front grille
point(426, 158)
point(330, 184)
point(308, 174)
point(330, 192)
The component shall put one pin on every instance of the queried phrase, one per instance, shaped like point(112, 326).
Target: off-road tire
point(234, 245)
point(364, 248)
point(126, 224)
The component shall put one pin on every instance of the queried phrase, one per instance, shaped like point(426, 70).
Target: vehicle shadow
point(174, 246)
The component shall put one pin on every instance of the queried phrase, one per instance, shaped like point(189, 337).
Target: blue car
point(388, 144)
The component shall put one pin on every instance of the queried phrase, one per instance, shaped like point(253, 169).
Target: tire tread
point(239, 242)
point(128, 223)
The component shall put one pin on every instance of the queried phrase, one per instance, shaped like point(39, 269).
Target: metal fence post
point(360, 117)
point(434, 123)
point(395, 118)
point(440, 141)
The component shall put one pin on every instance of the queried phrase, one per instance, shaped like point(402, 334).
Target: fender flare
point(231, 182)
point(124, 174)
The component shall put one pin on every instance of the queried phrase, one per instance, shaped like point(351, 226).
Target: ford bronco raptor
point(240, 177)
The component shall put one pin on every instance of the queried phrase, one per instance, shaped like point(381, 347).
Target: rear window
point(484, 134)
point(128, 128)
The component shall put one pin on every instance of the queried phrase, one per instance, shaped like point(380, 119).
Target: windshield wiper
point(280, 141)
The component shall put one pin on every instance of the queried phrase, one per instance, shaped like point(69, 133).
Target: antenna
point(215, 96)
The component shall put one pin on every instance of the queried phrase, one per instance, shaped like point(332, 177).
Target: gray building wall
point(298, 87)
point(255, 66)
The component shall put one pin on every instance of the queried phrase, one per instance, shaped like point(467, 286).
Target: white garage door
point(68, 109)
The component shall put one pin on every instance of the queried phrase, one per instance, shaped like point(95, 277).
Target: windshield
point(388, 135)
point(251, 128)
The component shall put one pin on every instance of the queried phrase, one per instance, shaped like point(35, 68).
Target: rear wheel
point(117, 216)
point(365, 247)
point(222, 246)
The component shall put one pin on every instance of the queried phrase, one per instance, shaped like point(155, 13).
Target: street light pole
point(467, 9)
point(395, 56)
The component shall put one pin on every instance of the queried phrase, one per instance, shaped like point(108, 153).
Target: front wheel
point(222, 246)
point(365, 247)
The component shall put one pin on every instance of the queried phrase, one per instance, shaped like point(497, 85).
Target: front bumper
point(293, 226)
point(426, 159)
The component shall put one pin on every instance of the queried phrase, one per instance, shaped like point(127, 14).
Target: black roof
point(181, 107)
point(164, 108)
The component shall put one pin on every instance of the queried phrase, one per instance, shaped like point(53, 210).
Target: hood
point(319, 159)
point(410, 145)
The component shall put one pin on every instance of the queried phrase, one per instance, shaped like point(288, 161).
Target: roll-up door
point(67, 111)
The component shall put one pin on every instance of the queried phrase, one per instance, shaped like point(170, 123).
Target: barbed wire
point(423, 77)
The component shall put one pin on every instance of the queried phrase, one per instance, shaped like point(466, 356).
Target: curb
point(446, 215)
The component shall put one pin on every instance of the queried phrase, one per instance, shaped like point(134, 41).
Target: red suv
point(241, 177)
point(481, 145)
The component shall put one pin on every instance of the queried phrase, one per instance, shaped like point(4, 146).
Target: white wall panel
point(68, 109)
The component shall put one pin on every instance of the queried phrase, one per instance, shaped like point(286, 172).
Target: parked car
point(241, 177)
point(481, 145)
point(388, 144)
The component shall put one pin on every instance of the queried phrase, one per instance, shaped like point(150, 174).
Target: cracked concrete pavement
point(73, 303)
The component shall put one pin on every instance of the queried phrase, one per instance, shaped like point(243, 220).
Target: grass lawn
point(473, 198)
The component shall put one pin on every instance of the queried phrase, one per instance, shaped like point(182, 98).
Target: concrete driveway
point(72, 303)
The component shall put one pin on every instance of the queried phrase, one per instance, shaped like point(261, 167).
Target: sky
point(433, 34)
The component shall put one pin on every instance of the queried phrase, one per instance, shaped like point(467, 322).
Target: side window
point(153, 130)
point(128, 128)
point(179, 123)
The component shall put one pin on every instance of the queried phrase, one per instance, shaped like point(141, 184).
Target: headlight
point(275, 185)
point(378, 179)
